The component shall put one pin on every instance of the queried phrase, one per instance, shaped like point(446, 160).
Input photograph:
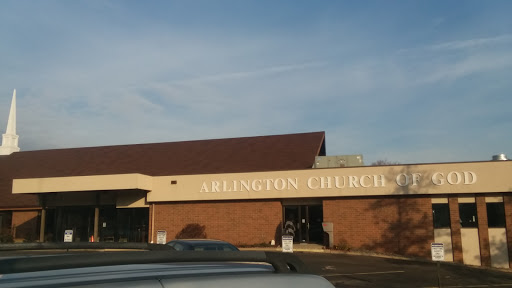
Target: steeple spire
point(10, 139)
point(11, 123)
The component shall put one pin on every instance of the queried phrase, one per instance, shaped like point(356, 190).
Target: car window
point(228, 248)
point(178, 246)
point(204, 248)
point(217, 247)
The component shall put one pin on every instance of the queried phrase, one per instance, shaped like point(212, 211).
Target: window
point(441, 215)
point(496, 215)
point(468, 216)
point(177, 246)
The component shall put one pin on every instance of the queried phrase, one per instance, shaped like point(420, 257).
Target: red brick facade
point(507, 201)
point(453, 202)
point(25, 225)
point(238, 222)
point(483, 231)
point(388, 224)
point(394, 224)
point(398, 225)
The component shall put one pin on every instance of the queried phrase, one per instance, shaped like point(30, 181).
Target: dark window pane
point(496, 215)
point(441, 215)
point(178, 246)
point(468, 216)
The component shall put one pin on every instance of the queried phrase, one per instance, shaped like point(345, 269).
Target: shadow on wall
point(5, 227)
point(192, 231)
point(26, 231)
point(404, 222)
point(6, 236)
point(278, 234)
point(498, 246)
point(499, 250)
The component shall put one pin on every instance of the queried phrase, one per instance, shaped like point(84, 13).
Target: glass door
point(315, 229)
point(78, 219)
point(291, 215)
point(303, 222)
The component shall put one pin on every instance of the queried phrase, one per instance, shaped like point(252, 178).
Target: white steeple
point(10, 139)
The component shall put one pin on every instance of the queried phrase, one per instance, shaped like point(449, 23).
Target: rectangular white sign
point(68, 236)
point(287, 244)
point(161, 237)
point(437, 251)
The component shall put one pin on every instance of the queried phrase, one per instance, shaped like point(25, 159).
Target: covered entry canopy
point(88, 206)
point(131, 188)
point(82, 183)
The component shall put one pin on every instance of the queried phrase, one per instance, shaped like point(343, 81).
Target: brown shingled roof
point(248, 154)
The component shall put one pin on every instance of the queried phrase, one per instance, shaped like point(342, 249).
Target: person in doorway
point(289, 226)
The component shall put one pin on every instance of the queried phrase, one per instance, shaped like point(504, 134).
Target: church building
point(243, 190)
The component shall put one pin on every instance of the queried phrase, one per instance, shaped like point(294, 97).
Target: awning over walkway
point(82, 183)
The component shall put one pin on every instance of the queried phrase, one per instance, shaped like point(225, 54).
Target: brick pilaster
point(483, 231)
point(507, 202)
point(150, 224)
point(453, 202)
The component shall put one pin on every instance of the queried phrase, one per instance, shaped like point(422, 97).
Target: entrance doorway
point(114, 224)
point(78, 219)
point(306, 221)
point(123, 225)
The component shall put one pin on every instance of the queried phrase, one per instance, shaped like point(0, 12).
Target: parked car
point(201, 245)
point(159, 267)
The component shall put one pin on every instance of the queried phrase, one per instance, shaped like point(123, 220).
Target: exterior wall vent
point(499, 157)
point(338, 161)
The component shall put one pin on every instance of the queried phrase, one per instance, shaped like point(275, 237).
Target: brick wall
point(507, 202)
point(150, 224)
point(453, 202)
point(388, 224)
point(483, 231)
point(25, 225)
point(241, 222)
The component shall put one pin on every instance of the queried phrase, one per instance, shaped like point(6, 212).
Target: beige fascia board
point(82, 183)
point(368, 181)
point(439, 200)
point(462, 179)
point(494, 199)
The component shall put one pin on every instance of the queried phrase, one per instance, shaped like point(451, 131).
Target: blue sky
point(406, 81)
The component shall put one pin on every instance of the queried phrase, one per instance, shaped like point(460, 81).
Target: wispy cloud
point(254, 73)
point(472, 43)
point(503, 40)
point(455, 69)
point(438, 21)
point(118, 72)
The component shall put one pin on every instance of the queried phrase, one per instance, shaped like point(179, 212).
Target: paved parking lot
point(367, 271)
point(345, 270)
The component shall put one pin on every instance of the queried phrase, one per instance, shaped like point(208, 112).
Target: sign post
point(438, 256)
point(287, 243)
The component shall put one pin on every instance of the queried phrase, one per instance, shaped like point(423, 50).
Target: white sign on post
point(161, 237)
point(437, 251)
point(287, 244)
point(68, 235)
